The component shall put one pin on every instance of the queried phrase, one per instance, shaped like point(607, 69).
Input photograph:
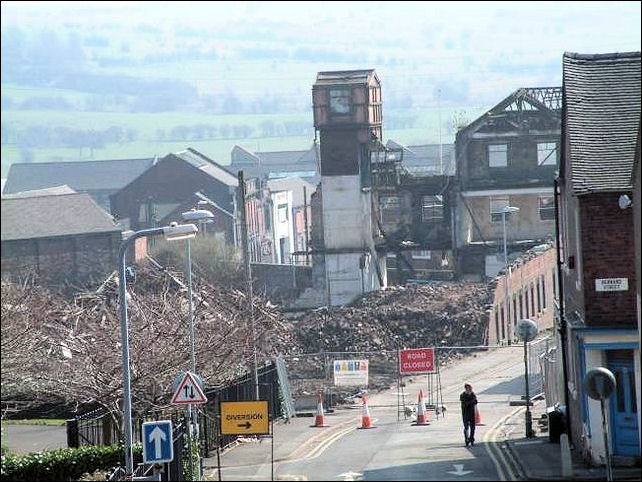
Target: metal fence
point(537, 350)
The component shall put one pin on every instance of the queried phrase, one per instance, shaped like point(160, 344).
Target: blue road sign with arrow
point(157, 442)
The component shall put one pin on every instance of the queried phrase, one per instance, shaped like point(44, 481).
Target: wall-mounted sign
point(351, 372)
point(418, 360)
point(612, 284)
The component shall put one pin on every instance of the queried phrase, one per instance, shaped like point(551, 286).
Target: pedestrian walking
point(468, 401)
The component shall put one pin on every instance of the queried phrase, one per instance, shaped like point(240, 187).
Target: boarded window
point(497, 205)
point(546, 154)
point(497, 155)
point(283, 213)
point(546, 208)
point(422, 254)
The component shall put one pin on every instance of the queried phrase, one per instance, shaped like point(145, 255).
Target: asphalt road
point(395, 449)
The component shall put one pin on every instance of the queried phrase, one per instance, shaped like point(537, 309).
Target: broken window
point(422, 254)
point(546, 153)
point(432, 209)
point(283, 213)
point(546, 208)
point(390, 209)
point(497, 155)
point(497, 205)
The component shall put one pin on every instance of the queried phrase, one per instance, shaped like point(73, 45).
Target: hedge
point(65, 463)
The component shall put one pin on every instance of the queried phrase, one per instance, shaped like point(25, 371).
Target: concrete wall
point(281, 279)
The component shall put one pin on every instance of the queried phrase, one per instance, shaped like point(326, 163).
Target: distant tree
point(459, 120)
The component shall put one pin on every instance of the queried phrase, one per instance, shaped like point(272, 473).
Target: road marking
point(529, 442)
point(351, 475)
point(459, 470)
point(489, 437)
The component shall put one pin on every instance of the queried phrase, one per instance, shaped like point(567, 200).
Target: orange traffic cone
point(477, 416)
point(422, 413)
point(366, 421)
point(319, 420)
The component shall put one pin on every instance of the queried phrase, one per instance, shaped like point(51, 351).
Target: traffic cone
point(478, 420)
point(366, 421)
point(319, 420)
point(422, 413)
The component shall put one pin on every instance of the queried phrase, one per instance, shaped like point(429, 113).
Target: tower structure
point(348, 118)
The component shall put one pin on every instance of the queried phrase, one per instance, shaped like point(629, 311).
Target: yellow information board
point(241, 418)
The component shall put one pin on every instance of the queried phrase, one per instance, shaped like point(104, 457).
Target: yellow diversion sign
point(240, 418)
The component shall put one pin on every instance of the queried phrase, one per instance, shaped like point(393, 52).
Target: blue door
point(624, 419)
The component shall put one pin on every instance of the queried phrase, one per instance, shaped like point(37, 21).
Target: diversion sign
point(417, 361)
point(243, 418)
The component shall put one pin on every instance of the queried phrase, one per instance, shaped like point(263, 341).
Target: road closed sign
point(244, 418)
point(417, 361)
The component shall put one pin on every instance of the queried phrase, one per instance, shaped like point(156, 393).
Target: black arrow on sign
point(247, 425)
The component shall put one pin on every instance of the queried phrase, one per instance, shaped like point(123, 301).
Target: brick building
point(600, 123)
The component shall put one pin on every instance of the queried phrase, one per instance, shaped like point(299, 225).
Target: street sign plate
point(242, 418)
point(188, 391)
point(416, 361)
point(157, 442)
point(351, 372)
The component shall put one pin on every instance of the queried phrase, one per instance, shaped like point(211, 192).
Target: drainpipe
point(560, 289)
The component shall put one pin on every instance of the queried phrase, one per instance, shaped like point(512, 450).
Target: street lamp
point(506, 210)
point(527, 331)
point(199, 215)
point(178, 231)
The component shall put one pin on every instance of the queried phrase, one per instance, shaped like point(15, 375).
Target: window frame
point(497, 213)
point(493, 161)
point(551, 158)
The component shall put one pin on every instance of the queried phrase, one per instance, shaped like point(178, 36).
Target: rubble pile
point(414, 316)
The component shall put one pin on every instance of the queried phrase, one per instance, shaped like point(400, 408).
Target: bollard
point(567, 464)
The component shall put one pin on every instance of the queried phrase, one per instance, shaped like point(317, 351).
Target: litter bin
point(556, 424)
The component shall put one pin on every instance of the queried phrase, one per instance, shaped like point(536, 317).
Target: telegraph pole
point(248, 273)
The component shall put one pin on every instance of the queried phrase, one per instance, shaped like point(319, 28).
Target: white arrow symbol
point(351, 476)
point(459, 470)
point(156, 436)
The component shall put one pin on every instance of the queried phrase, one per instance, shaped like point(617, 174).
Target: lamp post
point(527, 331)
point(180, 231)
point(506, 210)
point(199, 215)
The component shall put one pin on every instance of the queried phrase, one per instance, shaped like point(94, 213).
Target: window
point(390, 209)
point(521, 304)
point(539, 297)
point(501, 315)
point(432, 209)
point(497, 155)
point(546, 154)
point(497, 324)
point(283, 212)
point(422, 254)
point(497, 205)
point(340, 102)
point(546, 208)
point(532, 299)
point(543, 291)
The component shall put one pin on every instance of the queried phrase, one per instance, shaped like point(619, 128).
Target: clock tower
point(347, 115)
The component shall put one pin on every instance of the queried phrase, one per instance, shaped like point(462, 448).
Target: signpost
point(600, 384)
point(351, 372)
point(188, 391)
point(417, 361)
point(157, 442)
point(527, 331)
point(245, 418)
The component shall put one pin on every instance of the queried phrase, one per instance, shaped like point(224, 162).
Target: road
point(395, 449)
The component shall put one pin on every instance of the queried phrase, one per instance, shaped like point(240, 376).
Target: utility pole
point(248, 274)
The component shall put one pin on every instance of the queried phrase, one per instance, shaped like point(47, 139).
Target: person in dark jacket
point(468, 401)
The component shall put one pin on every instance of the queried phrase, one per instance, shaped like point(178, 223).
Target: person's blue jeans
point(469, 430)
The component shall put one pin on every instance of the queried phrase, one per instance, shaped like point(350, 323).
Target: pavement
point(539, 459)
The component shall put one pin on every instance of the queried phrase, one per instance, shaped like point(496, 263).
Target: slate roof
point(49, 191)
point(344, 77)
point(425, 159)
point(53, 215)
point(275, 163)
point(109, 175)
point(207, 165)
point(601, 119)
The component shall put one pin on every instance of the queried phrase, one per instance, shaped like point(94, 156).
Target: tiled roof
point(344, 77)
point(49, 191)
point(207, 165)
point(602, 115)
point(276, 163)
point(55, 215)
point(110, 175)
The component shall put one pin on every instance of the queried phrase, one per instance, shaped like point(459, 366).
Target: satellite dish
point(624, 201)
point(526, 330)
point(599, 383)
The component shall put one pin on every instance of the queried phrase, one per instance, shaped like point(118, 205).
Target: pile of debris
point(377, 325)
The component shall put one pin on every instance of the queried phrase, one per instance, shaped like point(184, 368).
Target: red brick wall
point(608, 251)
point(526, 276)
